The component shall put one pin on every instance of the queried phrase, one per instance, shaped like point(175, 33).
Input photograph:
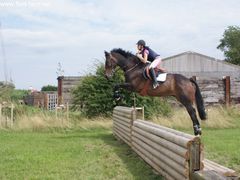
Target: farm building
point(213, 75)
point(65, 85)
point(195, 64)
point(47, 100)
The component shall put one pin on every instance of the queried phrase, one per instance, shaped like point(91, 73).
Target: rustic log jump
point(173, 154)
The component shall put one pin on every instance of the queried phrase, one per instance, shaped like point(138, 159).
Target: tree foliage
point(230, 44)
point(6, 90)
point(18, 94)
point(49, 88)
point(94, 96)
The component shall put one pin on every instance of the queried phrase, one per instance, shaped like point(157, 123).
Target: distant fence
point(219, 91)
point(6, 115)
point(173, 154)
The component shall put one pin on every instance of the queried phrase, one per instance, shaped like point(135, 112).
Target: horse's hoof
point(116, 95)
point(197, 130)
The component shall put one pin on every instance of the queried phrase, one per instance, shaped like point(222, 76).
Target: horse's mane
point(124, 53)
point(128, 55)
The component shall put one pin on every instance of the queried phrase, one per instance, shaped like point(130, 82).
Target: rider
point(144, 53)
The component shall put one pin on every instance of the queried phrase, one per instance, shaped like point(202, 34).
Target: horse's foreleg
point(116, 94)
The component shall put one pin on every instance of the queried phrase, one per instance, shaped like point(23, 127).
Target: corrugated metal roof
point(202, 55)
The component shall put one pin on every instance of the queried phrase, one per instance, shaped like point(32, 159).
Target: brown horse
point(185, 90)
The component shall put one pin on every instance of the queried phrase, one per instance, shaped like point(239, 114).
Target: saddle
point(161, 76)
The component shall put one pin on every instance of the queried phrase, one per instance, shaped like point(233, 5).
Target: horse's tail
point(199, 101)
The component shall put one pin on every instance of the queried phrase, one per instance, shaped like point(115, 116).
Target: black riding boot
point(154, 78)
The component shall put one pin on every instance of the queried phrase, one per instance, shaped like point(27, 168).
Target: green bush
point(8, 93)
point(94, 96)
point(18, 94)
point(5, 92)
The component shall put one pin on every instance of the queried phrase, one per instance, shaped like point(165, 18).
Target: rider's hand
point(139, 56)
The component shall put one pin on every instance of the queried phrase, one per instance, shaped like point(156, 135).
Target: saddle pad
point(162, 77)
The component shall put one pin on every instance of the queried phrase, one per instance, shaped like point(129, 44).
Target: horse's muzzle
point(108, 75)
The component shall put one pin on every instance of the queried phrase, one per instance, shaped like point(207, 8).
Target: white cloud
point(77, 32)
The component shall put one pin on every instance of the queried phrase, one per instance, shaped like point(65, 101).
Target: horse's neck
point(124, 63)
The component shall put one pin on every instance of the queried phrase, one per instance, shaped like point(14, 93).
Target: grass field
point(69, 154)
point(223, 146)
point(93, 154)
point(42, 147)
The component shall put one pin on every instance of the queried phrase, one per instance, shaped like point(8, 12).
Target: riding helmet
point(141, 42)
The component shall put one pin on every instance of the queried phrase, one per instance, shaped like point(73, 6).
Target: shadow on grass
point(134, 164)
point(138, 168)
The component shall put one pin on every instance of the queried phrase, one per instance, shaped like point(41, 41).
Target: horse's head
point(110, 64)
point(118, 57)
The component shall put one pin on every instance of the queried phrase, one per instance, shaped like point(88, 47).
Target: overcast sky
point(38, 34)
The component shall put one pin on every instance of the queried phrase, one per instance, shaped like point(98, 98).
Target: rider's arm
point(144, 58)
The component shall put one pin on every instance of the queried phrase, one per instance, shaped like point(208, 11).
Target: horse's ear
point(107, 54)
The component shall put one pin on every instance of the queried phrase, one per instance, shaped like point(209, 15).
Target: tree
point(49, 88)
point(94, 96)
point(6, 90)
point(230, 44)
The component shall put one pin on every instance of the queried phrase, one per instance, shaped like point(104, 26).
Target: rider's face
point(139, 47)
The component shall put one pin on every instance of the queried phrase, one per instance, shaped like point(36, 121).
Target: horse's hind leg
point(196, 126)
point(192, 113)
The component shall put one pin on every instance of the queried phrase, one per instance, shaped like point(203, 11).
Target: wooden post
point(60, 100)
point(194, 78)
point(67, 111)
point(195, 157)
point(6, 121)
point(0, 114)
point(134, 100)
point(140, 113)
point(227, 91)
point(11, 119)
point(56, 112)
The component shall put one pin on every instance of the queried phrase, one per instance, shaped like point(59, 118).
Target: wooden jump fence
point(173, 154)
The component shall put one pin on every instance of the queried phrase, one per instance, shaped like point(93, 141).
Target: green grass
point(41, 146)
point(94, 153)
point(69, 154)
point(223, 146)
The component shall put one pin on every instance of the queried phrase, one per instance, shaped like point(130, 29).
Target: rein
point(127, 71)
point(132, 68)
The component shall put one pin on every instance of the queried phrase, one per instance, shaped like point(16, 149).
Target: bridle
point(124, 68)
